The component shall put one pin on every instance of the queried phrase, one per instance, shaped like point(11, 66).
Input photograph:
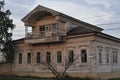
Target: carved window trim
point(100, 49)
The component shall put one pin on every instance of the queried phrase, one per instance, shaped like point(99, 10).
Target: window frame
point(84, 56)
point(115, 57)
point(107, 56)
point(59, 56)
point(20, 58)
point(38, 57)
point(71, 56)
point(48, 57)
point(100, 55)
point(29, 58)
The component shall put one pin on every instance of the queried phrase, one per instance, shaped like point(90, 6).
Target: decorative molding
point(100, 47)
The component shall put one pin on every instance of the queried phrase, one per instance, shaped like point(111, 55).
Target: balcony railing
point(38, 38)
point(38, 35)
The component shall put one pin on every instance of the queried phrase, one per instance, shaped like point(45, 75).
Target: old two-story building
point(54, 37)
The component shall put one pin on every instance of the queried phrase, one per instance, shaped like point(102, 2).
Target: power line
point(112, 29)
point(109, 23)
point(101, 15)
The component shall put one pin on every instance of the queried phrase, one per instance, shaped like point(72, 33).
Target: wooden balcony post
point(26, 31)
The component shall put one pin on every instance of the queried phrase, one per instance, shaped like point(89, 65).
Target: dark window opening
point(29, 58)
point(59, 57)
point(71, 56)
point(115, 57)
point(48, 57)
point(42, 28)
point(83, 56)
point(38, 57)
point(20, 58)
point(107, 56)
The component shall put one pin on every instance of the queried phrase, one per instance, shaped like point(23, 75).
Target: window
point(48, 28)
point(42, 28)
point(59, 57)
point(83, 56)
point(38, 57)
point(48, 57)
point(29, 58)
point(42, 31)
point(107, 56)
point(71, 56)
point(20, 58)
point(115, 57)
point(48, 32)
point(54, 29)
point(100, 56)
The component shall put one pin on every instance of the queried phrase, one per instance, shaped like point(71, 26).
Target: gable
point(38, 13)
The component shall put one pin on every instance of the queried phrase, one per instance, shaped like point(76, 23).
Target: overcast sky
point(103, 13)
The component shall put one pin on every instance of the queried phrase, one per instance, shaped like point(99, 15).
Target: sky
point(102, 13)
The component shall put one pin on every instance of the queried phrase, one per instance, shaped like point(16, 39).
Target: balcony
point(45, 34)
point(37, 38)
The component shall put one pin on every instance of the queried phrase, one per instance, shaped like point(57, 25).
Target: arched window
point(48, 57)
point(83, 56)
point(38, 57)
point(29, 58)
point(20, 58)
point(59, 57)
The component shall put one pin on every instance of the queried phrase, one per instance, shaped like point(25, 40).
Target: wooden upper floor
point(43, 25)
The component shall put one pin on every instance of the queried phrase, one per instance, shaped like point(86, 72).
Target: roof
point(108, 36)
point(19, 40)
point(41, 11)
point(81, 22)
point(79, 30)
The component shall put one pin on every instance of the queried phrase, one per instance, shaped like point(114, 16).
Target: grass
point(19, 78)
point(11, 78)
point(114, 79)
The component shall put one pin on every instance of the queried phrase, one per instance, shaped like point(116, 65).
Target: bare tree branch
point(54, 69)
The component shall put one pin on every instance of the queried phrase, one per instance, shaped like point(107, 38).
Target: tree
point(6, 26)
point(60, 74)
